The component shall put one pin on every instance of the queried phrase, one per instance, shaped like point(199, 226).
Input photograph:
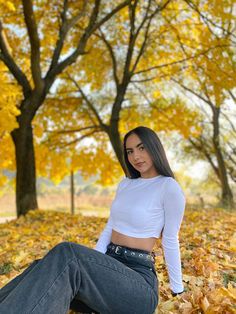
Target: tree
point(43, 48)
point(209, 75)
point(103, 95)
point(211, 79)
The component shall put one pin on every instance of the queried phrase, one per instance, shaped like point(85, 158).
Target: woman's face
point(139, 157)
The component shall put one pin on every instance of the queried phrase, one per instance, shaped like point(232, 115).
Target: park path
point(5, 219)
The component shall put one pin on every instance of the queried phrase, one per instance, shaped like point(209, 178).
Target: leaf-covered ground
point(207, 242)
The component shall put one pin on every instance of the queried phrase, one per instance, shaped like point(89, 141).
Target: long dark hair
point(153, 145)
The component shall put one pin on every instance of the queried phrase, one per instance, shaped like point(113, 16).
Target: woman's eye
point(141, 147)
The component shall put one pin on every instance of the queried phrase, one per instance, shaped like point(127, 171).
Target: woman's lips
point(139, 164)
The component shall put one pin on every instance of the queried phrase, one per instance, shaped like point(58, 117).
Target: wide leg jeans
point(71, 273)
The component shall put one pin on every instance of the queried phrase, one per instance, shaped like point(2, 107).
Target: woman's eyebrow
point(136, 146)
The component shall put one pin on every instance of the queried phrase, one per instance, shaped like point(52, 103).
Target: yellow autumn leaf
point(232, 243)
point(20, 257)
point(204, 304)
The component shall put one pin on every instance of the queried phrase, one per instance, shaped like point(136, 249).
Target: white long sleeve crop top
point(145, 207)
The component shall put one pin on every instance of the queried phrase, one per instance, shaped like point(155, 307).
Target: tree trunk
point(72, 192)
point(226, 193)
point(113, 129)
point(26, 197)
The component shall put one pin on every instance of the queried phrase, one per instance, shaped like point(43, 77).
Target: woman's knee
point(62, 247)
point(70, 249)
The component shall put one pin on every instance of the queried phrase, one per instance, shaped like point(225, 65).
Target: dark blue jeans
point(75, 276)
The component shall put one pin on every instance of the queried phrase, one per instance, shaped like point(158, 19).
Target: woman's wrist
point(175, 293)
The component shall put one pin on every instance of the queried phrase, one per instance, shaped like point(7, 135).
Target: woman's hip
point(136, 260)
point(110, 285)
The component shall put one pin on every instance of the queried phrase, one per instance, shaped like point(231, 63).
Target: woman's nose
point(136, 156)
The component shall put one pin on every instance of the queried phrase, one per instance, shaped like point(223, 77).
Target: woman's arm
point(174, 205)
point(105, 237)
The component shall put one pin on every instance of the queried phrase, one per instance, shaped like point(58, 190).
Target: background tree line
point(93, 69)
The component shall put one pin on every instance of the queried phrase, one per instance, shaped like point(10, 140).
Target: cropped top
point(145, 207)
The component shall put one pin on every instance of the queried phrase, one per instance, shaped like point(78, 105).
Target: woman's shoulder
point(172, 185)
point(123, 183)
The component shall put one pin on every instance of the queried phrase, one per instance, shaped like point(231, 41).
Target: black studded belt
point(123, 250)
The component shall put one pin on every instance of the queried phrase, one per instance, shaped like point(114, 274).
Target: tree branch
point(141, 50)
point(192, 92)
point(112, 55)
point(149, 18)
point(79, 139)
point(90, 105)
point(89, 30)
point(178, 61)
point(34, 43)
point(206, 19)
point(230, 122)
point(201, 149)
point(75, 130)
point(5, 56)
point(232, 95)
point(63, 31)
point(132, 38)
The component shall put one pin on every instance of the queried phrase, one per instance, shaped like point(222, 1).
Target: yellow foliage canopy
point(9, 100)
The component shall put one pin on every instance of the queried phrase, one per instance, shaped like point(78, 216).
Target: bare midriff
point(146, 244)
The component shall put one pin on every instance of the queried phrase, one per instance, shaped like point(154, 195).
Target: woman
point(118, 276)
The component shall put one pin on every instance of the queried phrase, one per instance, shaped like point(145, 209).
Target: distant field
point(88, 205)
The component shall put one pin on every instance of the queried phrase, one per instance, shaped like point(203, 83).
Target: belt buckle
point(117, 248)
